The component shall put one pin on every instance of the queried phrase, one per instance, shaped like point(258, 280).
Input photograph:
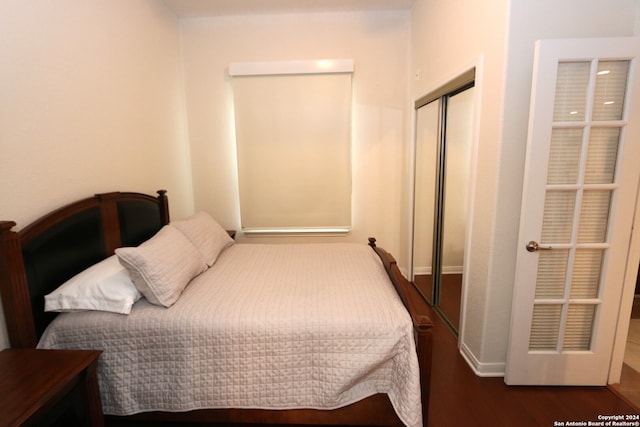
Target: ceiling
point(199, 8)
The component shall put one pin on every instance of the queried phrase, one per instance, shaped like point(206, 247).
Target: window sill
point(333, 231)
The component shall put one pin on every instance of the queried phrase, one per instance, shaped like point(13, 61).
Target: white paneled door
point(580, 189)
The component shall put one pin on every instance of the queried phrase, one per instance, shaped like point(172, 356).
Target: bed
point(257, 333)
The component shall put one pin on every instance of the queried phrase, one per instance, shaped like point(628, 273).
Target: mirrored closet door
point(444, 121)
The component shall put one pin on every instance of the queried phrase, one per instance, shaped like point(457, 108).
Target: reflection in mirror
point(426, 151)
point(454, 221)
point(442, 162)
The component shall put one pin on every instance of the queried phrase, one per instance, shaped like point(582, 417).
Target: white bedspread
point(268, 326)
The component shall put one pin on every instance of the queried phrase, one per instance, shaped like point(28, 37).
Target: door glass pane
point(579, 327)
point(545, 327)
point(552, 273)
point(594, 216)
point(602, 155)
point(558, 216)
point(564, 155)
point(571, 91)
point(611, 85)
point(586, 273)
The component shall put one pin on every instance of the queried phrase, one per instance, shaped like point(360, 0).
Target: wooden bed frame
point(38, 258)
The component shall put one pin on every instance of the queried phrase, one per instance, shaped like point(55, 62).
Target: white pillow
point(205, 234)
point(105, 286)
point(163, 266)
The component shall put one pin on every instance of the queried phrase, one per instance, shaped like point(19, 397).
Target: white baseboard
point(452, 269)
point(495, 369)
point(446, 269)
point(422, 270)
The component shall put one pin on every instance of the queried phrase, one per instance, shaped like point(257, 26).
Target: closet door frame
point(456, 86)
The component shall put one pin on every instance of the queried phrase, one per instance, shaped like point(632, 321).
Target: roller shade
point(293, 133)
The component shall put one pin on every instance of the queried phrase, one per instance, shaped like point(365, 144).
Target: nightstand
point(36, 384)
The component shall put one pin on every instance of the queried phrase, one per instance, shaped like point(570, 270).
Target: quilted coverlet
point(268, 326)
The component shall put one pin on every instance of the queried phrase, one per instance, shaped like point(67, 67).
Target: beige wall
point(378, 42)
point(497, 36)
point(448, 38)
point(92, 102)
point(636, 29)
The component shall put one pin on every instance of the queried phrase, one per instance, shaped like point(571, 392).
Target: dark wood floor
point(450, 295)
point(460, 398)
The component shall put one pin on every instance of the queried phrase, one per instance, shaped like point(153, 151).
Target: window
point(293, 133)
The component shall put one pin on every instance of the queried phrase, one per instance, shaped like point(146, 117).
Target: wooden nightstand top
point(34, 380)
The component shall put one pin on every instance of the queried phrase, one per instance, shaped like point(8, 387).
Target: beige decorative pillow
point(162, 267)
point(205, 234)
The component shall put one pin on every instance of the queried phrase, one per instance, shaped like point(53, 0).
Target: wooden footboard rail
point(422, 324)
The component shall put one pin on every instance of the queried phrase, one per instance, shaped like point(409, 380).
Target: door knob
point(533, 246)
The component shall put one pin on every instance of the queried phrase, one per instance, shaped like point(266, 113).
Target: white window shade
point(293, 133)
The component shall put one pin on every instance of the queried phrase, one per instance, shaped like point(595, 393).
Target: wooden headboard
point(41, 256)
